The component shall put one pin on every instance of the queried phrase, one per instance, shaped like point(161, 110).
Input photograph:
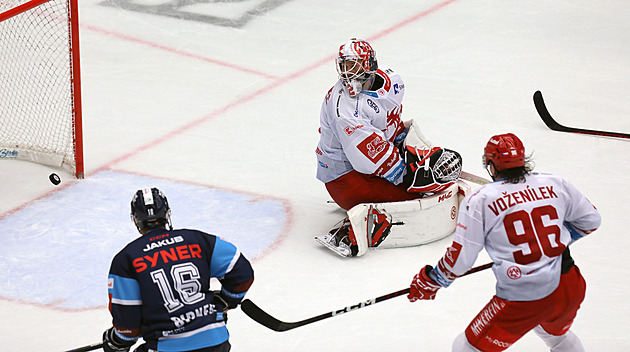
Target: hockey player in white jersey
point(367, 154)
point(526, 222)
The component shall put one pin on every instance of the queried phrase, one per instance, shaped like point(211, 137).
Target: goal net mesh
point(37, 107)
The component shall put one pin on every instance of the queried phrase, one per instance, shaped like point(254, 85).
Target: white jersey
point(523, 229)
point(357, 133)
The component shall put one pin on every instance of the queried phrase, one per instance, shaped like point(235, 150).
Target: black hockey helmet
point(150, 209)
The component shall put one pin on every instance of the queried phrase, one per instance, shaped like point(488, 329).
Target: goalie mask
point(356, 64)
point(505, 151)
point(150, 209)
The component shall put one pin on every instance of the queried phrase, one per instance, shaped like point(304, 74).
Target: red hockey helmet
point(506, 151)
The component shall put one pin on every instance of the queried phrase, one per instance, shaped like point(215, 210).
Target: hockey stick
point(552, 124)
point(91, 347)
point(263, 318)
point(474, 178)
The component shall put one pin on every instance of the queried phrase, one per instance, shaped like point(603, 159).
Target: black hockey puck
point(54, 178)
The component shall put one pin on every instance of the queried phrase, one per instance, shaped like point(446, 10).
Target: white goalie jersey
point(358, 132)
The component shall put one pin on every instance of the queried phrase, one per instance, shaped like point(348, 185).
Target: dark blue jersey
point(159, 288)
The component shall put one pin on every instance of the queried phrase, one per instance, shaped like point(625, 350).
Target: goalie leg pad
point(370, 225)
point(361, 221)
point(381, 226)
point(366, 226)
point(409, 223)
point(396, 224)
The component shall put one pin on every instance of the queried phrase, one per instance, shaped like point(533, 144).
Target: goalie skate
point(338, 239)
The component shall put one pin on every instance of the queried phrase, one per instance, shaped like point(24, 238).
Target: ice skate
point(338, 239)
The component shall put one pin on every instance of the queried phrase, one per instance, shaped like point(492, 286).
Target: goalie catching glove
point(431, 170)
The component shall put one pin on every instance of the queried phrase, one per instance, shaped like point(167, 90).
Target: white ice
point(234, 109)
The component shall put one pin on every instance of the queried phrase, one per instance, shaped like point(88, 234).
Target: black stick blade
point(554, 125)
point(539, 103)
point(263, 318)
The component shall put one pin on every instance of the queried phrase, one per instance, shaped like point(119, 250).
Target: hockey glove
point(431, 170)
point(112, 342)
point(423, 287)
point(222, 306)
point(223, 299)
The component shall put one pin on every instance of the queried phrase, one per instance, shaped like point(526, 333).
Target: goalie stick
point(554, 125)
point(474, 178)
point(263, 318)
point(467, 176)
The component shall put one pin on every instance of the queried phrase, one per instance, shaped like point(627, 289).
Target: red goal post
point(40, 83)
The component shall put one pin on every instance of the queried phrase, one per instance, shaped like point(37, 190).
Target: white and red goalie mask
point(356, 63)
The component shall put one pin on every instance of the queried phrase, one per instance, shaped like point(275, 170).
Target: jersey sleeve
point(125, 300)
point(581, 217)
point(232, 269)
point(367, 147)
point(468, 241)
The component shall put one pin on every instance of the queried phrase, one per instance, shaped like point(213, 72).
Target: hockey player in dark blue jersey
point(159, 284)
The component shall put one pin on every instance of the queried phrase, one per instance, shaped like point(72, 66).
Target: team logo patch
point(350, 129)
point(514, 272)
point(373, 105)
point(8, 154)
point(374, 147)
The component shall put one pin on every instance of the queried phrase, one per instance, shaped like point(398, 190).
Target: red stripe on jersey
point(452, 253)
point(388, 81)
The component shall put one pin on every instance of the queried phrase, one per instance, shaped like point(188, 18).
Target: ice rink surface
point(217, 103)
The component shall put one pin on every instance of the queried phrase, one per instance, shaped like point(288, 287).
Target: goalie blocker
point(396, 224)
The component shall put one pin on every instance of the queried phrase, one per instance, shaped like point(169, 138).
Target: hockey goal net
point(40, 85)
